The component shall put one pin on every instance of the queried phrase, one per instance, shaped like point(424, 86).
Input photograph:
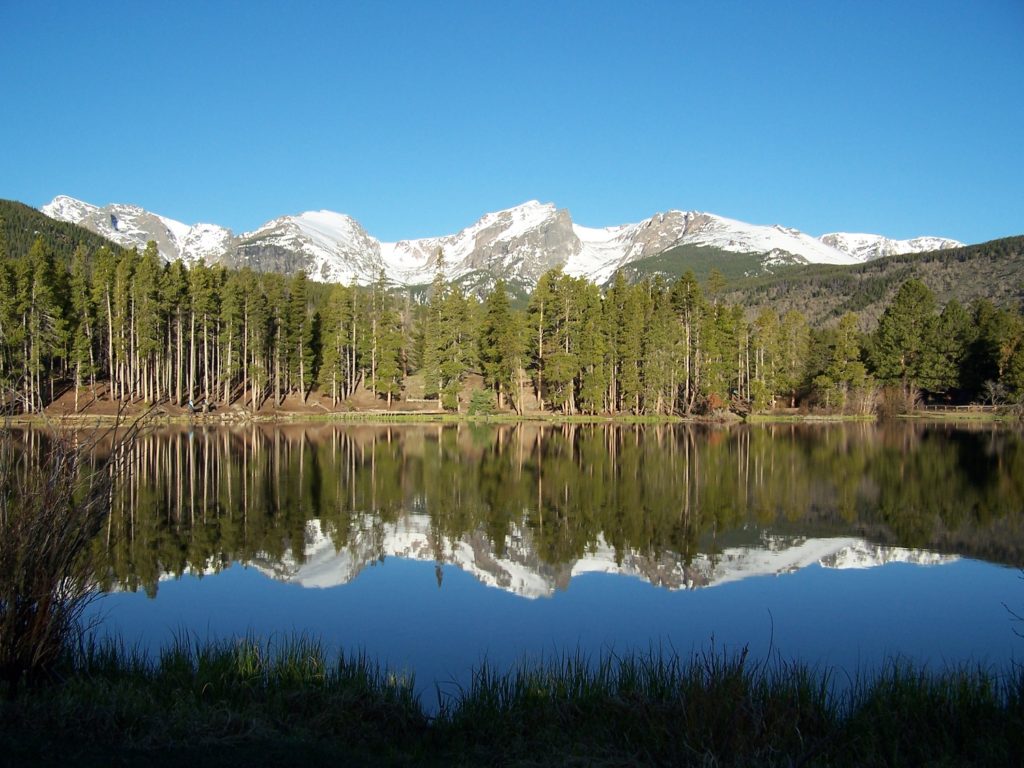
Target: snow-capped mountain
point(867, 247)
point(518, 244)
point(330, 247)
point(519, 570)
point(133, 227)
point(603, 251)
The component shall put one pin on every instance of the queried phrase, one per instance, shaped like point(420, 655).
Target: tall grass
point(653, 707)
point(725, 709)
point(637, 709)
point(216, 694)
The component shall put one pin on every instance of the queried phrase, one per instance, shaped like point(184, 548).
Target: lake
point(436, 547)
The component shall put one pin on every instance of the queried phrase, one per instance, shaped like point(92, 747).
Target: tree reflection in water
point(670, 501)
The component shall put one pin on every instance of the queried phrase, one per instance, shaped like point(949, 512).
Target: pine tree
point(1001, 334)
point(388, 378)
point(538, 318)
point(432, 332)
point(259, 334)
point(904, 333)
point(276, 329)
point(947, 347)
point(44, 313)
point(561, 333)
point(299, 335)
point(844, 372)
point(767, 358)
point(593, 348)
point(499, 343)
point(123, 324)
point(629, 346)
point(83, 312)
point(716, 285)
point(455, 344)
point(234, 311)
point(719, 355)
point(334, 334)
point(795, 347)
point(658, 353)
point(688, 303)
point(176, 302)
point(148, 321)
point(103, 282)
point(10, 329)
point(1014, 375)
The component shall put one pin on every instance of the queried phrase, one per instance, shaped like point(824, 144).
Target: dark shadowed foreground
point(211, 704)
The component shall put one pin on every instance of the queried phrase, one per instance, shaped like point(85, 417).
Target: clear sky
point(899, 117)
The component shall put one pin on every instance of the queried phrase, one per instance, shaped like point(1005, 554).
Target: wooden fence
point(962, 408)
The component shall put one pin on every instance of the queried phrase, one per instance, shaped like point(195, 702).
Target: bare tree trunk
point(352, 353)
point(181, 364)
point(192, 358)
point(540, 355)
point(277, 368)
point(227, 373)
point(110, 348)
point(245, 351)
point(206, 359)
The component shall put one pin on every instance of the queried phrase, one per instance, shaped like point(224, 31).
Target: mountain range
point(517, 244)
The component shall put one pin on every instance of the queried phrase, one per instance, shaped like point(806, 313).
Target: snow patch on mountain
point(865, 247)
point(178, 230)
point(64, 208)
point(204, 242)
point(862, 554)
point(496, 241)
point(709, 229)
point(328, 246)
point(601, 253)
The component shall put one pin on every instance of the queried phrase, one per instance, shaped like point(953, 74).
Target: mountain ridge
point(516, 244)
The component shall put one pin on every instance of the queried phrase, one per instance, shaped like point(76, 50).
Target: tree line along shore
point(95, 328)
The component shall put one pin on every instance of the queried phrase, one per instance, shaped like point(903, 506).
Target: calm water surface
point(436, 547)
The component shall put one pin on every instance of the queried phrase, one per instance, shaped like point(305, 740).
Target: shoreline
point(105, 412)
point(198, 703)
point(235, 418)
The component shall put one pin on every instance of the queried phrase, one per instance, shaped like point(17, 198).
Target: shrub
point(52, 505)
point(481, 403)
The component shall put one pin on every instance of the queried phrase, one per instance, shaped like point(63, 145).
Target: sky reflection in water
point(770, 528)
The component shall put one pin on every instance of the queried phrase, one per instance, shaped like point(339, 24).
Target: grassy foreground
point(219, 703)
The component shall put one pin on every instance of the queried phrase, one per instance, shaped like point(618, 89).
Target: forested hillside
point(78, 315)
point(702, 260)
point(20, 225)
point(992, 270)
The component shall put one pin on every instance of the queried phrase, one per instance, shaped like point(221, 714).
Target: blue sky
point(901, 118)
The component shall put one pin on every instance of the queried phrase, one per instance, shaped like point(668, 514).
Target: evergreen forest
point(79, 315)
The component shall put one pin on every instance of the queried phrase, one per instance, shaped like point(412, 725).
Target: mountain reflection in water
point(526, 507)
